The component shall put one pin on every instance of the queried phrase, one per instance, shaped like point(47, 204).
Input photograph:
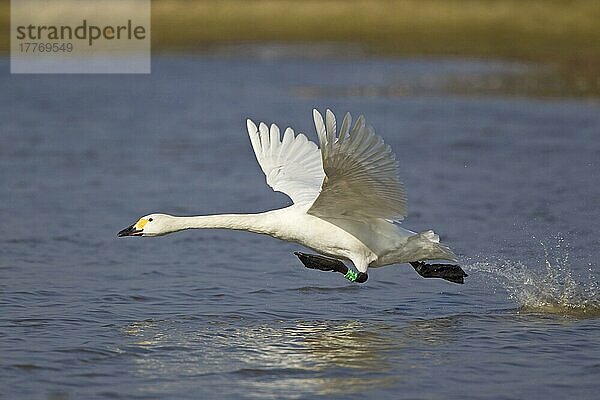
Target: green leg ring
point(351, 275)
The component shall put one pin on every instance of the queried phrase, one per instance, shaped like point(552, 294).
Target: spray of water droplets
point(551, 287)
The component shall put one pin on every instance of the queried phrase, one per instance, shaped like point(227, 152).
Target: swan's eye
point(149, 219)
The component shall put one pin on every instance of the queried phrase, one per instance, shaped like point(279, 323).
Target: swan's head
point(149, 225)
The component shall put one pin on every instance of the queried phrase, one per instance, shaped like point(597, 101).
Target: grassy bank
point(564, 34)
point(526, 29)
point(561, 33)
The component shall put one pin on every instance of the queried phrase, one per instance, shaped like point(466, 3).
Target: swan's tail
point(426, 246)
point(417, 247)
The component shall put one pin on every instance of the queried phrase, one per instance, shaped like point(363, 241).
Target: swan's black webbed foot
point(449, 272)
point(314, 261)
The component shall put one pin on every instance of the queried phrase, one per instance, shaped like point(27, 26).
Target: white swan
point(347, 199)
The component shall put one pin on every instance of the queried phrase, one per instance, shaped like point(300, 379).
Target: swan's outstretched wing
point(292, 165)
point(361, 178)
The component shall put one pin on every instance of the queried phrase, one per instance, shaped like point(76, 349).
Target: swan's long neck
point(258, 223)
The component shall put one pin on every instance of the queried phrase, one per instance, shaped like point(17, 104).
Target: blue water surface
point(511, 184)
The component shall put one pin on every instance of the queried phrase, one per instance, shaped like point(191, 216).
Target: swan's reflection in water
point(284, 359)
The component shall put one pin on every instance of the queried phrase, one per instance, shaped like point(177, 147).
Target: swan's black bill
point(129, 231)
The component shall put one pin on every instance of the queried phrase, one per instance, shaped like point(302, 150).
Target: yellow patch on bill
point(140, 224)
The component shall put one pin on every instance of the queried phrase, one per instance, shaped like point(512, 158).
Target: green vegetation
point(564, 34)
point(4, 27)
point(526, 29)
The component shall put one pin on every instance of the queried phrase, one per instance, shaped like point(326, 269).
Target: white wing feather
point(292, 165)
point(361, 178)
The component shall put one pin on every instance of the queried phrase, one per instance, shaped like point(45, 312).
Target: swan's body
point(347, 198)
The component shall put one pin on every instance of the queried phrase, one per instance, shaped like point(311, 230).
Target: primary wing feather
point(292, 165)
point(361, 179)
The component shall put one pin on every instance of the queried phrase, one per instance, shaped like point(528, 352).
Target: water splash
point(550, 287)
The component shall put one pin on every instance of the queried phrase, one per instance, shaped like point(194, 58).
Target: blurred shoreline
point(562, 36)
